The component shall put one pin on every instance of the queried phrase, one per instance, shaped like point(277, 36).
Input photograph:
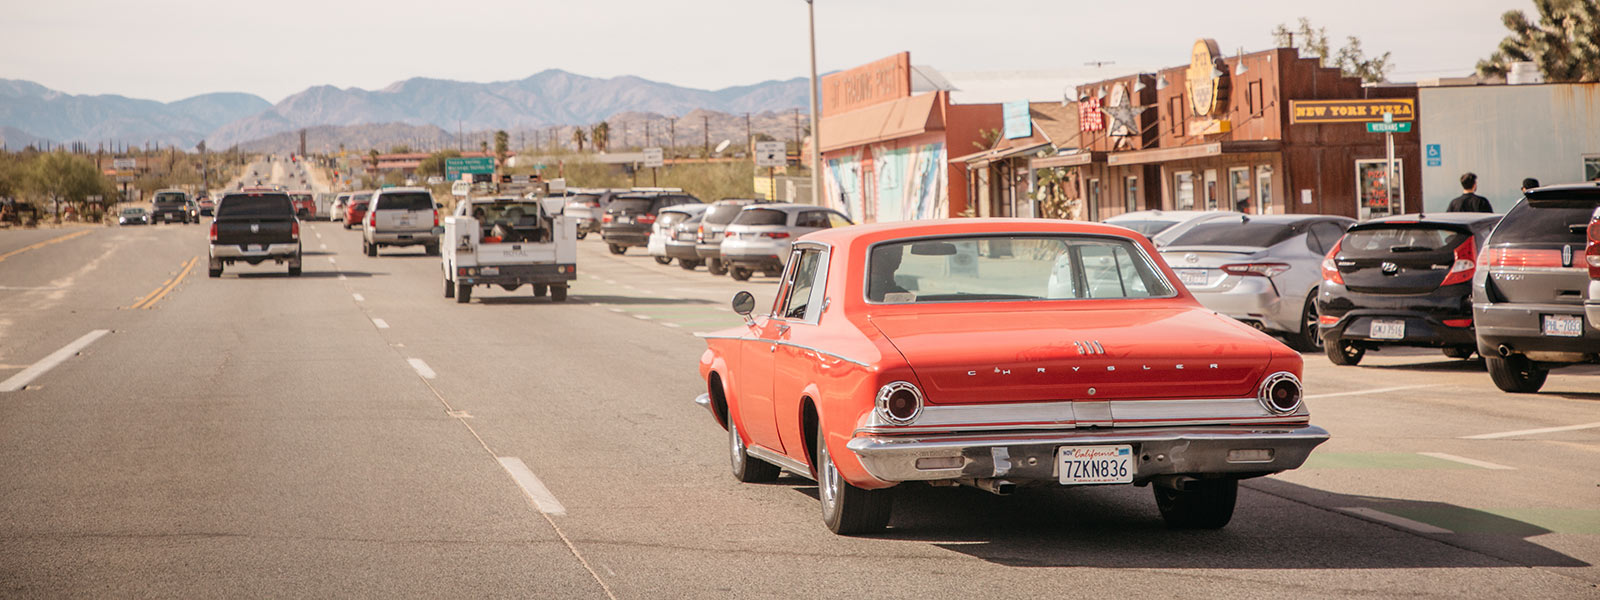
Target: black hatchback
point(1404, 280)
point(629, 218)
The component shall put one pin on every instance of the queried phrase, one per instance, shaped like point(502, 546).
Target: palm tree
point(1565, 43)
point(601, 136)
point(579, 138)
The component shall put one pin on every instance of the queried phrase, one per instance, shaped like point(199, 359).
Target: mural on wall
point(842, 184)
point(907, 183)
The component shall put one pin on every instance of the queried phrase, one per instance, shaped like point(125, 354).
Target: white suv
point(401, 216)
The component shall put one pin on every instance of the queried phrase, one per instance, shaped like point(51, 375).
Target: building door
point(1239, 185)
point(1183, 190)
point(1094, 199)
point(1211, 189)
point(1264, 188)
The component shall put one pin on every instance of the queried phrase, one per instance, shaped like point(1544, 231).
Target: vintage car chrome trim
point(881, 402)
point(1024, 456)
point(818, 351)
point(267, 251)
point(704, 400)
point(788, 464)
point(710, 336)
point(1025, 416)
point(1154, 266)
point(1264, 394)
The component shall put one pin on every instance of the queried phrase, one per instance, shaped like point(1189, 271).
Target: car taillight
point(1522, 257)
point(776, 235)
point(646, 219)
point(605, 219)
point(294, 229)
point(1250, 269)
point(213, 231)
point(435, 217)
point(700, 235)
point(1458, 322)
point(1330, 269)
point(1465, 264)
point(1327, 319)
point(1592, 254)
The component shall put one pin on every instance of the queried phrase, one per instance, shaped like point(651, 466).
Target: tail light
point(1330, 269)
point(646, 219)
point(1592, 254)
point(1247, 269)
point(213, 231)
point(1280, 393)
point(605, 219)
point(435, 217)
point(775, 235)
point(899, 403)
point(1457, 322)
point(700, 235)
point(1327, 319)
point(294, 229)
point(1522, 257)
point(1465, 264)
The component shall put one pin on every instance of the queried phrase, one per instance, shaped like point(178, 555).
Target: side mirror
point(744, 303)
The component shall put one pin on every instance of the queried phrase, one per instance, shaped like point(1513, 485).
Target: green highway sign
point(1401, 127)
point(454, 167)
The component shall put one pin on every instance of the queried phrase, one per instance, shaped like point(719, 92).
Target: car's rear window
point(634, 204)
point(671, 217)
point(1544, 223)
point(1254, 234)
point(362, 198)
point(405, 201)
point(723, 214)
point(1148, 228)
point(254, 206)
point(761, 216)
point(301, 197)
point(1385, 241)
point(1010, 268)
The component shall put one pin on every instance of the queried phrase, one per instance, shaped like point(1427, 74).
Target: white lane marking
point(531, 486)
point(1378, 515)
point(26, 376)
point(1523, 432)
point(342, 277)
point(382, 324)
point(672, 325)
point(611, 281)
point(642, 317)
point(617, 310)
point(421, 368)
point(1468, 461)
point(332, 259)
point(358, 297)
point(1373, 391)
point(323, 246)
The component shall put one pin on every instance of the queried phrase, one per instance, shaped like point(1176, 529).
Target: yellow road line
point(161, 292)
point(152, 293)
point(45, 243)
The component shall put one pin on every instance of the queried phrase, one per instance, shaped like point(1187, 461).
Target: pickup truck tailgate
point(516, 253)
point(403, 220)
point(254, 231)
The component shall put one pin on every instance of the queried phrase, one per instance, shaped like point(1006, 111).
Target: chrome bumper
point(268, 251)
point(405, 238)
point(1031, 456)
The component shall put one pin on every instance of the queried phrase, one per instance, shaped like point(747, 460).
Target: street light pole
point(816, 124)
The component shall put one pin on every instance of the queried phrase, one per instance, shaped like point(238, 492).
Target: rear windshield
point(631, 205)
point(1547, 223)
point(301, 197)
point(1386, 241)
point(405, 201)
point(1148, 228)
point(671, 217)
point(133, 211)
point(254, 206)
point(761, 216)
point(1253, 234)
point(583, 199)
point(723, 214)
point(362, 198)
point(169, 197)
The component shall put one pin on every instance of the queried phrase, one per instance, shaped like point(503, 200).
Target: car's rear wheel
point(215, 271)
point(432, 249)
point(663, 260)
point(746, 468)
point(847, 509)
point(688, 265)
point(558, 293)
point(463, 293)
point(1459, 351)
point(1516, 374)
point(540, 289)
point(449, 288)
point(1308, 339)
point(372, 249)
point(618, 249)
point(716, 267)
point(1343, 352)
point(739, 273)
point(583, 234)
point(1201, 504)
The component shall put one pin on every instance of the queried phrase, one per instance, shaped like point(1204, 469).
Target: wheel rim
point(1311, 325)
point(828, 488)
point(736, 446)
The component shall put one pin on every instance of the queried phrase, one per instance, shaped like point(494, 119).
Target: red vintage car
point(1000, 354)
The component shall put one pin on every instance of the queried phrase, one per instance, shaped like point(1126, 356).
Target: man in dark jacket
point(1468, 201)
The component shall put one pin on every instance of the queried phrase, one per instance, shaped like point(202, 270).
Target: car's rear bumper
point(708, 251)
point(625, 237)
point(1520, 327)
point(1031, 456)
point(1422, 329)
point(404, 238)
point(682, 250)
point(1256, 301)
point(278, 252)
point(518, 274)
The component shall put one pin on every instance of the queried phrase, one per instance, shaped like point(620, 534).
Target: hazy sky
point(172, 49)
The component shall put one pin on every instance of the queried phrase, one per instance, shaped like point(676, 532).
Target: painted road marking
point(332, 259)
point(342, 277)
point(1468, 461)
point(322, 246)
point(37, 245)
point(531, 486)
point(1523, 432)
point(1378, 515)
point(358, 297)
point(672, 325)
point(22, 379)
point(1374, 391)
point(611, 281)
point(617, 310)
point(382, 324)
point(150, 301)
point(642, 317)
point(421, 368)
point(1377, 460)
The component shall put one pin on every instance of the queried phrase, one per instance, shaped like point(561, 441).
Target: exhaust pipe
point(998, 487)
point(1504, 350)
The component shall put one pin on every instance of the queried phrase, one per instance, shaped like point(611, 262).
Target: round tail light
point(1280, 393)
point(899, 403)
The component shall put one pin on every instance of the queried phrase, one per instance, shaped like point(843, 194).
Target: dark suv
point(1528, 304)
point(708, 240)
point(630, 217)
point(1404, 280)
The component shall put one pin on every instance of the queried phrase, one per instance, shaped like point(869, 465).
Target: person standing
point(1469, 201)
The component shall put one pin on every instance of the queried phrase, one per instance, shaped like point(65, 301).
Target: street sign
point(454, 167)
point(771, 154)
point(460, 189)
point(1401, 127)
point(124, 164)
point(1435, 155)
point(653, 158)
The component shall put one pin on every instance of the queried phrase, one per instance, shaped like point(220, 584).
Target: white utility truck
point(509, 241)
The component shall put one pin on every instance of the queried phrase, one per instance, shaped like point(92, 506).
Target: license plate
point(1388, 329)
point(490, 271)
point(1083, 465)
point(625, 219)
point(253, 248)
point(1563, 325)
point(405, 236)
point(1193, 276)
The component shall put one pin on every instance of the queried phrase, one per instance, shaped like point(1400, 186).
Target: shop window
point(1372, 188)
point(1256, 101)
point(1591, 168)
point(1183, 190)
point(1239, 189)
point(1094, 199)
point(1131, 197)
point(1175, 109)
point(1264, 188)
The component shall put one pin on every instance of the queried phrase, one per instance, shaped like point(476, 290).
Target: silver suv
point(759, 238)
point(401, 217)
point(708, 239)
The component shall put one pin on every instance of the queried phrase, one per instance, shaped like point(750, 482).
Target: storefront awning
point(981, 159)
point(1076, 159)
point(887, 121)
point(1141, 157)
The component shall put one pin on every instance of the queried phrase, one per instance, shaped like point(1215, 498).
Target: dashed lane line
point(1468, 461)
point(421, 368)
point(382, 324)
point(530, 484)
point(26, 376)
point(1528, 432)
point(358, 297)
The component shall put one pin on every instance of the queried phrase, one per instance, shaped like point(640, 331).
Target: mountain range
point(32, 112)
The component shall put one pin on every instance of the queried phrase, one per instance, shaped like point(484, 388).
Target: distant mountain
point(40, 112)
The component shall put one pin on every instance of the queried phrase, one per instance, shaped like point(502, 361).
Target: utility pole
point(647, 134)
point(706, 122)
point(461, 142)
point(672, 126)
point(749, 142)
point(816, 124)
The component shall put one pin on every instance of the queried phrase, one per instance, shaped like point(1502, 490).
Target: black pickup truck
point(255, 227)
point(170, 205)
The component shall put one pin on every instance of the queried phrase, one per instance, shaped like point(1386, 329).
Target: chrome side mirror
point(744, 303)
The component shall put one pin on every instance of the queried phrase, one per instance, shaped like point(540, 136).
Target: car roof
point(877, 232)
point(392, 190)
point(1463, 218)
point(1571, 191)
point(1180, 215)
point(785, 207)
point(687, 208)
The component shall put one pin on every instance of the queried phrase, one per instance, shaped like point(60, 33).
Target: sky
point(170, 49)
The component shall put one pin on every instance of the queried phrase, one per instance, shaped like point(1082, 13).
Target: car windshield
point(169, 197)
point(1383, 241)
point(1231, 232)
point(634, 204)
point(254, 206)
point(1148, 228)
point(761, 216)
point(133, 211)
point(405, 201)
point(1544, 223)
point(723, 214)
point(999, 268)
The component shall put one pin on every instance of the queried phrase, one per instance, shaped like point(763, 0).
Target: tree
point(578, 138)
point(400, 149)
point(1564, 44)
point(434, 163)
point(601, 136)
point(502, 146)
point(1312, 42)
point(60, 176)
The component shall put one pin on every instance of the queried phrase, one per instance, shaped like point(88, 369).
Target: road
point(353, 433)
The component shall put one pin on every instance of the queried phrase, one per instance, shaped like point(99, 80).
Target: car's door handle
point(773, 348)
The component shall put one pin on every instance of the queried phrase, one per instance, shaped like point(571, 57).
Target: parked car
point(255, 227)
point(355, 210)
point(1528, 303)
point(1163, 225)
point(680, 244)
point(1404, 280)
point(587, 207)
point(629, 217)
point(665, 228)
point(401, 216)
point(759, 238)
point(134, 216)
point(708, 240)
point(169, 206)
point(1260, 269)
point(508, 242)
point(1591, 255)
point(1001, 355)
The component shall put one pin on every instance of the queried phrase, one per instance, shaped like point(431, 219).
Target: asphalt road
point(351, 432)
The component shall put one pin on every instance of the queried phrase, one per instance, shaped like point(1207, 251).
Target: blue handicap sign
point(1435, 155)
